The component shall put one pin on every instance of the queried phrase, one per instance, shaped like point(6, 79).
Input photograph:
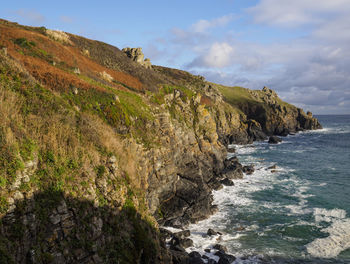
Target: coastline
point(199, 230)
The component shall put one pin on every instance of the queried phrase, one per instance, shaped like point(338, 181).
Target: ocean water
point(298, 214)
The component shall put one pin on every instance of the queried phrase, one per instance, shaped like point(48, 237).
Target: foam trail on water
point(337, 241)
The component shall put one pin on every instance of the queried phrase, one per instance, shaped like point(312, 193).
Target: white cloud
point(218, 55)
point(203, 25)
point(297, 12)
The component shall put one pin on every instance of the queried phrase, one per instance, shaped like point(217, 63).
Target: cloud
point(30, 15)
point(297, 12)
point(203, 25)
point(218, 56)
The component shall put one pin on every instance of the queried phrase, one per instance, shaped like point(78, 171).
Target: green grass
point(158, 98)
point(236, 95)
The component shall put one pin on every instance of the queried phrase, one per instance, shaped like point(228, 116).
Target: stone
point(272, 167)
point(4, 50)
point(183, 234)
point(18, 195)
point(62, 208)
point(137, 55)
point(231, 150)
point(195, 254)
point(75, 90)
point(211, 232)
point(185, 243)
point(248, 169)
point(220, 247)
point(226, 259)
point(227, 182)
point(211, 261)
point(207, 250)
point(179, 257)
point(274, 140)
point(55, 219)
point(76, 71)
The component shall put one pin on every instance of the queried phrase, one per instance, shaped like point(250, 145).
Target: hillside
point(96, 151)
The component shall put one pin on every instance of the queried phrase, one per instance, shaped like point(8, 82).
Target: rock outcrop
point(137, 55)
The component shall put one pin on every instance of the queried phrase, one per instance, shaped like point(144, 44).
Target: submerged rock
point(274, 140)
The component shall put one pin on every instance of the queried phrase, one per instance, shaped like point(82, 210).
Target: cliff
point(97, 150)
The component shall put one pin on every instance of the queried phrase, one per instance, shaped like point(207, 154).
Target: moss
point(100, 170)
point(27, 149)
point(3, 205)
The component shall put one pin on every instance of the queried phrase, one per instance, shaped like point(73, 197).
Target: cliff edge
point(97, 150)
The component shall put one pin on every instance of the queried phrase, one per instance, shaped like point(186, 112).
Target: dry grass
point(69, 57)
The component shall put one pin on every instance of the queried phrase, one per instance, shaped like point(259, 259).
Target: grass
point(158, 97)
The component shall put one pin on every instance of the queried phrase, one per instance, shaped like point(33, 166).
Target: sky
point(299, 48)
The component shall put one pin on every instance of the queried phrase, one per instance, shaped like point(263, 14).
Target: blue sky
point(299, 48)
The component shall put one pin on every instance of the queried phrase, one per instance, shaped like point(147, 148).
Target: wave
point(337, 241)
point(325, 215)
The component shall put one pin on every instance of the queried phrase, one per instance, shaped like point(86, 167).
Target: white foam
point(337, 241)
point(322, 214)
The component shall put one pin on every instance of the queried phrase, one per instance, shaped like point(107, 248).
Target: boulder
point(248, 169)
point(179, 257)
point(183, 234)
point(226, 259)
point(185, 243)
point(232, 169)
point(227, 182)
point(272, 167)
point(220, 247)
point(274, 140)
point(137, 55)
point(211, 232)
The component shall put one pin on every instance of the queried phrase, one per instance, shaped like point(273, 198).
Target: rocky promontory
point(93, 161)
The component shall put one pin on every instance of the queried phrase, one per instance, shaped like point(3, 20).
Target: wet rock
point(272, 167)
point(240, 228)
point(226, 259)
point(227, 182)
point(207, 250)
point(274, 140)
point(185, 243)
point(179, 257)
point(177, 248)
point(195, 254)
point(183, 234)
point(211, 232)
point(232, 169)
point(165, 233)
point(211, 261)
point(220, 247)
point(231, 150)
point(248, 169)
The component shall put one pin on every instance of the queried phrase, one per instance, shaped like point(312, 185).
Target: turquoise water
point(298, 214)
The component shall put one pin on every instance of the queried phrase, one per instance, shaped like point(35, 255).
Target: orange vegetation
point(66, 57)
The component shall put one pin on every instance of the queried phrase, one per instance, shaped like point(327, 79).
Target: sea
point(297, 212)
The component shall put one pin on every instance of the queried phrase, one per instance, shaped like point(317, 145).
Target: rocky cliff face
point(90, 166)
point(137, 55)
